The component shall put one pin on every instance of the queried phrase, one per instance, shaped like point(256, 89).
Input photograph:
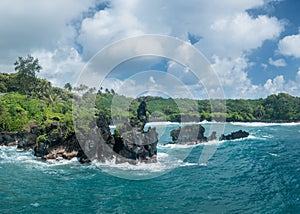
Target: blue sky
point(253, 45)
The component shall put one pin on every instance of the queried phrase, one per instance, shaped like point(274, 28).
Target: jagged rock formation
point(54, 141)
point(194, 134)
point(190, 134)
point(133, 144)
point(130, 143)
point(234, 135)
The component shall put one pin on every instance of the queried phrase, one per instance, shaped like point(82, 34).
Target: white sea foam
point(273, 154)
point(161, 123)
point(165, 162)
point(252, 137)
point(186, 146)
point(61, 161)
point(35, 204)
point(188, 164)
point(26, 158)
point(165, 123)
point(179, 146)
point(262, 124)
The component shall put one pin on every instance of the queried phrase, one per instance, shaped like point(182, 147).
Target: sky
point(253, 46)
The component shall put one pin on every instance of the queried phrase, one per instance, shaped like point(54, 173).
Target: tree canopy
point(26, 69)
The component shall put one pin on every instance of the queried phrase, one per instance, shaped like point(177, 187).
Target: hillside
point(26, 100)
point(44, 104)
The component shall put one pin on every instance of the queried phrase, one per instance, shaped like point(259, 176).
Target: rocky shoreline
point(129, 142)
point(133, 146)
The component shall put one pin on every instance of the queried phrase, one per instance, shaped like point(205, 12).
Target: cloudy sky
point(253, 45)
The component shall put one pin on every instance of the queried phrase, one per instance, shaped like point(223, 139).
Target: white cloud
point(279, 84)
point(152, 80)
point(277, 63)
point(61, 65)
point(34, 24)
point(289, 46)
point(227, 32)
point(234, 78)
point(233, 35)
point(276, 85)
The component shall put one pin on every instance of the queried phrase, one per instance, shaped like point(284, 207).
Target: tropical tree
point(26, 71)
point(68, 86)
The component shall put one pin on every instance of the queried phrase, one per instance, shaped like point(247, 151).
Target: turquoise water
point(260, 174)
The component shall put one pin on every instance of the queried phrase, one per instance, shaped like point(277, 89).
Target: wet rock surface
point(190, 134)
point(129, 142)
point(234, 135)
point(194, 134)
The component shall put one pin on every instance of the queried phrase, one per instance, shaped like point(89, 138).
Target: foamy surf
point(273, 154)
point(263, 124)
point(140, 171)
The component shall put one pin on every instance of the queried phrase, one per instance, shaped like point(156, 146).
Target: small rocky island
point(194, 134)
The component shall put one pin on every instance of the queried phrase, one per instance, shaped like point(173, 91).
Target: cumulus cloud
point(276, 85)
point(234, 78)
point(31, 25)
point(226, 29)
point(236, 34)
point(60, 66)
point(289, 45)
point(64, 39)
point(226, 33)
point(277, 63)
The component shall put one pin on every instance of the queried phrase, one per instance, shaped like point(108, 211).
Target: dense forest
point(27, 100)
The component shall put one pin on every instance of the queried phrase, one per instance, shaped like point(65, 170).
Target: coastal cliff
point(129, 143)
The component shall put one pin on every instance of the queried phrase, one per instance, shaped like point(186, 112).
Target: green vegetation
point(27, 100)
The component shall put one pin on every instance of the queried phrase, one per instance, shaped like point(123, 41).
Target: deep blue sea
point(259, 174)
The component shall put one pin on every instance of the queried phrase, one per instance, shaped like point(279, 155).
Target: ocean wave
point(140, 171)
point(186, 146)
point(273, 154)
point(165, 123)
point(10, 154)
point(179, 146)
point(263, 124)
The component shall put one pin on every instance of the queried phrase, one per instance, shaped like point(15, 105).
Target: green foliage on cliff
point(26, 99)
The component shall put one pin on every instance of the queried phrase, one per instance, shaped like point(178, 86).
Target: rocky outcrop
point(190, 134)
point(136, 145)
point(22, 140)
point(129, 143)
point(194, 134)
point(234, 135)
point(56, 141)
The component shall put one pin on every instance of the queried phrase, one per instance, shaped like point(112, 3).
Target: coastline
point(260, 122)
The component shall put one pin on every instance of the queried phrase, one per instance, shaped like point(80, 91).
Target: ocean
point(258, 174)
